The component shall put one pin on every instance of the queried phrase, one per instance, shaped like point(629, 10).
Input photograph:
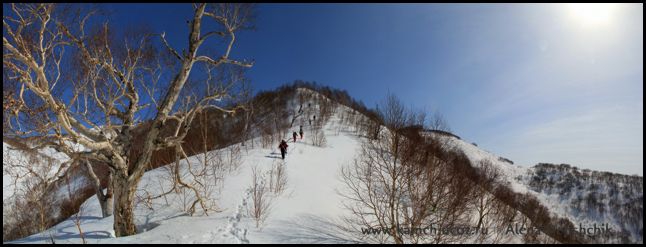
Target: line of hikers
point(283, 144)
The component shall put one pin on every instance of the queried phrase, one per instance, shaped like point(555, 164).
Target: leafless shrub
point(318, 137)
point(234, 158)
point(267, 140)
point(277, 178)
point(77, 217)
point(260, 198)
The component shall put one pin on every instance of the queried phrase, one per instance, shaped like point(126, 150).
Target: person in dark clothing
point(301, 132)
point(294, 134)
point(283, 148)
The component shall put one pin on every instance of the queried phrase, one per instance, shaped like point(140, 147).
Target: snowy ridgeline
point(302, 212)
point(592, 197)
point(308, 209)
point(583, 196)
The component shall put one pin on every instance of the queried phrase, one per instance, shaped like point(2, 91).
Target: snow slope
point(564, 193)
point(25, 171)
point(21, 160)
point(306, 212)
point(476, 155)
point(299, 214)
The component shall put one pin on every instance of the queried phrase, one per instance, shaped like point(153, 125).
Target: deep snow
point(299, 214)
point(306, 212)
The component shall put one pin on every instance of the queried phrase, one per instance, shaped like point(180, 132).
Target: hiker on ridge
point(283, 148)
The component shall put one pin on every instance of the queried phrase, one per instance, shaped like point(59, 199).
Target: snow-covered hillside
point(16, 166)
point(584, 197)
point(309, 210)
point(591, 197)
point(298, 214)
point(30, 180)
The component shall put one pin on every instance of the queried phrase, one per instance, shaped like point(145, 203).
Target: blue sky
point(530, 82)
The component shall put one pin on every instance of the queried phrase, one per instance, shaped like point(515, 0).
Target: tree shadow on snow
point(273, 157)
point(312, 145)
point(62, 234)
point(312, 229)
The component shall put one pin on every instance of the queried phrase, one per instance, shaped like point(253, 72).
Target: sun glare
point(592, 14)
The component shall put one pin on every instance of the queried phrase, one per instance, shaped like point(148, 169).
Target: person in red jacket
point(283, 148)
point(301, 132)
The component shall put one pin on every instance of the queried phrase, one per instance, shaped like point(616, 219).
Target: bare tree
point(438, 122)
point(260, 198)
point(317, 136)
point(109, 94)
point(375, 181)
point(402, 180)
point(277, 178)
point(484, 201)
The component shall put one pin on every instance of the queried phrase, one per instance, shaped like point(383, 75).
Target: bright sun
point(592, 14)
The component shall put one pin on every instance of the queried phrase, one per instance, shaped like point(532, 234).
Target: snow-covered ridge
point(302, 213)
point(589, 197)
point(311, 194)
point(583, 196)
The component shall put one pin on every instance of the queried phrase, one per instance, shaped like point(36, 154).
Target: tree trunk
point(106, 207)
point(104, 200)
point(124, 195)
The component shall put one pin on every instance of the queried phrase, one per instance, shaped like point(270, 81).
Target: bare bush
point(198, 181)
point(277, 178)
point(260, 198)
point(233, 158)
point(318, 137)
point(77, 217)
point(267, 139)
